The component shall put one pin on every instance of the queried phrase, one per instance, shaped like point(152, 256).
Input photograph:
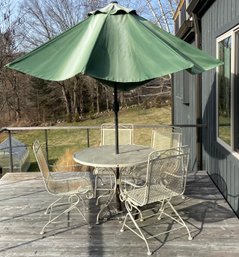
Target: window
point(186, 88)
point(224, 91)
point(227, 90)
point(181, 86)
point(236, 89)
point(178, 82)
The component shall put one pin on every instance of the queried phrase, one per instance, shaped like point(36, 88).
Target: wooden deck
point(23, 200)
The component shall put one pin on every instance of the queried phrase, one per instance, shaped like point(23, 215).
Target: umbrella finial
point(114, 2)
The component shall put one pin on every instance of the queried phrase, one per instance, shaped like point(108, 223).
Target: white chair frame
point(74, 189)
point(165, 178)
point(125, 131)
point(106, 176)
point(166, 137)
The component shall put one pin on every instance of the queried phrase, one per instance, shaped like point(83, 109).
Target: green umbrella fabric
point(114, 44)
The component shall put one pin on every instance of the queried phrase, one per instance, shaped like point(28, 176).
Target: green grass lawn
point(68, 140)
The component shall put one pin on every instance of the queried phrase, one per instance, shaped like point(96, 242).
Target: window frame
point(233, 33)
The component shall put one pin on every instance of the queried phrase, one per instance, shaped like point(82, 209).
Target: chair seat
point(157, 193)
point(104, 171)
point(74, 186)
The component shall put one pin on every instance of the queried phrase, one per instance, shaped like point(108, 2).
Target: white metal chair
point(73, 189)
point(108, 134)
point(105, 178)
point(164, 178)
point(166, 137)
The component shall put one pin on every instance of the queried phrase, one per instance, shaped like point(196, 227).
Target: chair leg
point(161, 209)
point(106, 194)
point(180, 221)
point(99, 178)
point(73, 205)
point(96, 184)
point(139, 213)
point(129, 208)
point(110, 187)
point(84, 209)
point(111, 196)
point(50, 207)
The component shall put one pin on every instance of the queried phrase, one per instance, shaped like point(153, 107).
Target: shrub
point(66, 163)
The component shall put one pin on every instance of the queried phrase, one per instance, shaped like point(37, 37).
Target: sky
point(144, 11)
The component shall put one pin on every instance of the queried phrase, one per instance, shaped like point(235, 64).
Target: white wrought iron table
point(105, 157)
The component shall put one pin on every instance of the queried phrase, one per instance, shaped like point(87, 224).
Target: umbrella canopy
point(114, 44)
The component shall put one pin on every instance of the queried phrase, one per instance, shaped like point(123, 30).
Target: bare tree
point(12, 90)
point(42, 20)
point(160, 12)
point(45, 19)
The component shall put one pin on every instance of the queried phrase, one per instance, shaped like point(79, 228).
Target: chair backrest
point(41, 160)
point(108, 134)
point(167, 169)
point(166, 137)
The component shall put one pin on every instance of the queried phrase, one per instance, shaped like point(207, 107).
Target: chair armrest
point(130, 183)
point(61, 175)
point(67, 179)
point(171, 174)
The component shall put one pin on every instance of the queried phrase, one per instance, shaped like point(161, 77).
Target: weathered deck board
point(23, 200)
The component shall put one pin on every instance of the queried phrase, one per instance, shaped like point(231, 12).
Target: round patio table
point(105, 157)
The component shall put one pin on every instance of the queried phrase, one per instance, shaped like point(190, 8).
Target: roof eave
point(199, 7)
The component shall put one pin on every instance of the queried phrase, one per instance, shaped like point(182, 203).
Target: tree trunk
point(97, 99)
point(74, 106)
point(81, 102)
point(107, 101)
point(154, 13)
point(66, 101)
point(18, 110)
point(164, 16)
point(122, 99)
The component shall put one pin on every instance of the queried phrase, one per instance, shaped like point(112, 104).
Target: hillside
point(63, 142)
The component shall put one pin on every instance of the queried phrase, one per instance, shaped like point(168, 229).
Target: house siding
point(186, 113)
point(220, 163)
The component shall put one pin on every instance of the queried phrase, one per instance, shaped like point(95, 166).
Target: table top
point(105, 156)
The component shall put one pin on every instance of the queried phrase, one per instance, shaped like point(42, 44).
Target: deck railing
point(60, 138)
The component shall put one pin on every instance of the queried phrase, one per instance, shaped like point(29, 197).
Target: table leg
point(118, 202)
point(114, 194)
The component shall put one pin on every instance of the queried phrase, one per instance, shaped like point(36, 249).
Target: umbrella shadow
point(202, 187)
point(96, 240)
point(219, 162)
point(206, 212)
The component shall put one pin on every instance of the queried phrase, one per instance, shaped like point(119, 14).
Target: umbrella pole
point(116, 110)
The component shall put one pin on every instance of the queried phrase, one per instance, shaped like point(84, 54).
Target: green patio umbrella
point(116, 46)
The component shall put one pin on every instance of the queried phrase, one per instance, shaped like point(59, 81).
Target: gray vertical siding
point(221, 164)
point(185, 113)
